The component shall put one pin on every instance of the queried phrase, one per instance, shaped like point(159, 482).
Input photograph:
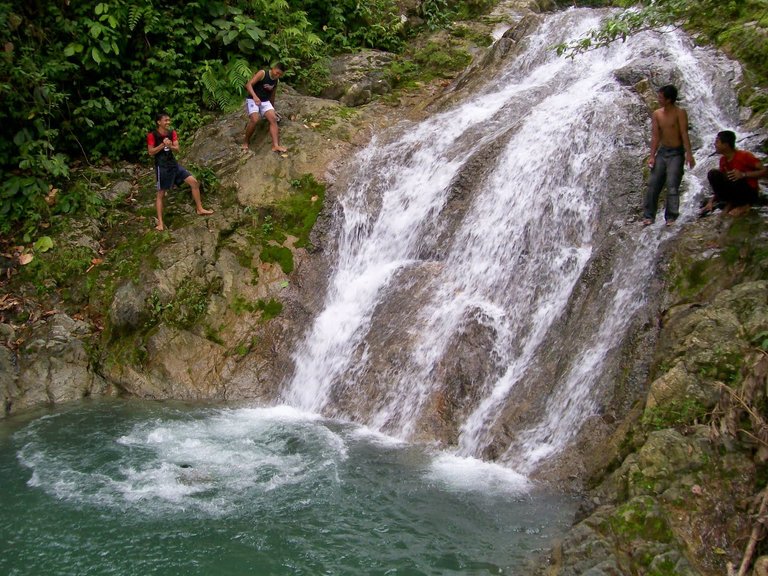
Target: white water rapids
point(551, 136)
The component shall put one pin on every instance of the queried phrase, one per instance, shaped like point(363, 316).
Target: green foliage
point(223, 84)
point(78, 198)
point(293, 216)
point(724, 366)
point(761, 341)
point(52, 269)
point(646, 16)
point(83, 80)
point(268, 228)
point(713, 17)
point(269, 308)
point(439, 14)
point(435, 13)
point(346, 24)
point(207, 177)
point(442, 62)
point(468, 9)
point(298, 213)
point(188, 305)
point(465, 32)
point(427, 63)
point(693, 278)
point(673, 414)
point(279, 255)
point(43, 244)
point(640, 518)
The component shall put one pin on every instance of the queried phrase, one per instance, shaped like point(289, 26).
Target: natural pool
point(140, 488)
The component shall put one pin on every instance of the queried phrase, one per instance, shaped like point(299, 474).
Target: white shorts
point(263, 107)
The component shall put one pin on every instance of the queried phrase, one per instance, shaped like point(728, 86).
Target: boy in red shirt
point(735, 183)
point(161, 144)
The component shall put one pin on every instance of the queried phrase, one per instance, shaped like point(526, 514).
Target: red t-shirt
point(742, 161)
point(151, 138)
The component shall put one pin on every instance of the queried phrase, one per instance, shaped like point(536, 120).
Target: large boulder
point(52, 365)
point(358, 77)
point(316, 131)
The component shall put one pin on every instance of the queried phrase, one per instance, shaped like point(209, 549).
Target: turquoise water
point(131, 488)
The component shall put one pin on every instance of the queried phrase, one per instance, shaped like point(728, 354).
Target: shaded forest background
point(81, 81)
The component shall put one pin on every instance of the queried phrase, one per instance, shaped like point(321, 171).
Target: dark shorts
point(169, 176)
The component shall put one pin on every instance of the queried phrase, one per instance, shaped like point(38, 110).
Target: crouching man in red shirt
point(735, 184)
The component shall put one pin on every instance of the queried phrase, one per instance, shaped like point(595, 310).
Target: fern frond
point(238, 72)
point(134, 15)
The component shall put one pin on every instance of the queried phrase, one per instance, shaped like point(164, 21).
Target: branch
point(755, 537)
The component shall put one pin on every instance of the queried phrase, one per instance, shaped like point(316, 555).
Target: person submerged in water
point(670, 149)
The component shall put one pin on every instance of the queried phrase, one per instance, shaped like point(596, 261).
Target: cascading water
point(483, 223)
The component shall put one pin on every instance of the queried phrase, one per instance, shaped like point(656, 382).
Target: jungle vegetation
point(81, 81)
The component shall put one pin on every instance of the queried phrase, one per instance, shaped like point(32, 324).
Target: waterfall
point(467, 242)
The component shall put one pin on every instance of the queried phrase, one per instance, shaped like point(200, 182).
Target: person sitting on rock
point(260, 103)
point(734, 184)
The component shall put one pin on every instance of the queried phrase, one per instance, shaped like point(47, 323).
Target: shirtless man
point(670, 148)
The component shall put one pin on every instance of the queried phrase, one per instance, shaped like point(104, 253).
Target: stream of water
point(534, 150)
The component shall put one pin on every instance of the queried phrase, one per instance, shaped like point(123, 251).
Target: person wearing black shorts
point(162, 142)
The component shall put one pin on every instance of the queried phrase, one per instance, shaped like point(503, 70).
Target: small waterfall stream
point(473, 234)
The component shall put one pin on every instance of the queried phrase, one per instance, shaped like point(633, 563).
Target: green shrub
point(673, 414)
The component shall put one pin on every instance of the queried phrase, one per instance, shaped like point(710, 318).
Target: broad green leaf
point(43, 244)
point(246, 45)
point(255, 33)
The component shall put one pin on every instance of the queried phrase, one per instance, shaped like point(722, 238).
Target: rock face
point(189, 323)
point(356, 78)
point(313, 130)
point(50, 366)
point(681, 495)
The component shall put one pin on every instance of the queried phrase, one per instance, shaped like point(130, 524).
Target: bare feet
point(739, 211)
point(279, 149)
point(245, 147)
point(670, 222)
point(203, 211)
point(159, 227)
point(647, 222)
